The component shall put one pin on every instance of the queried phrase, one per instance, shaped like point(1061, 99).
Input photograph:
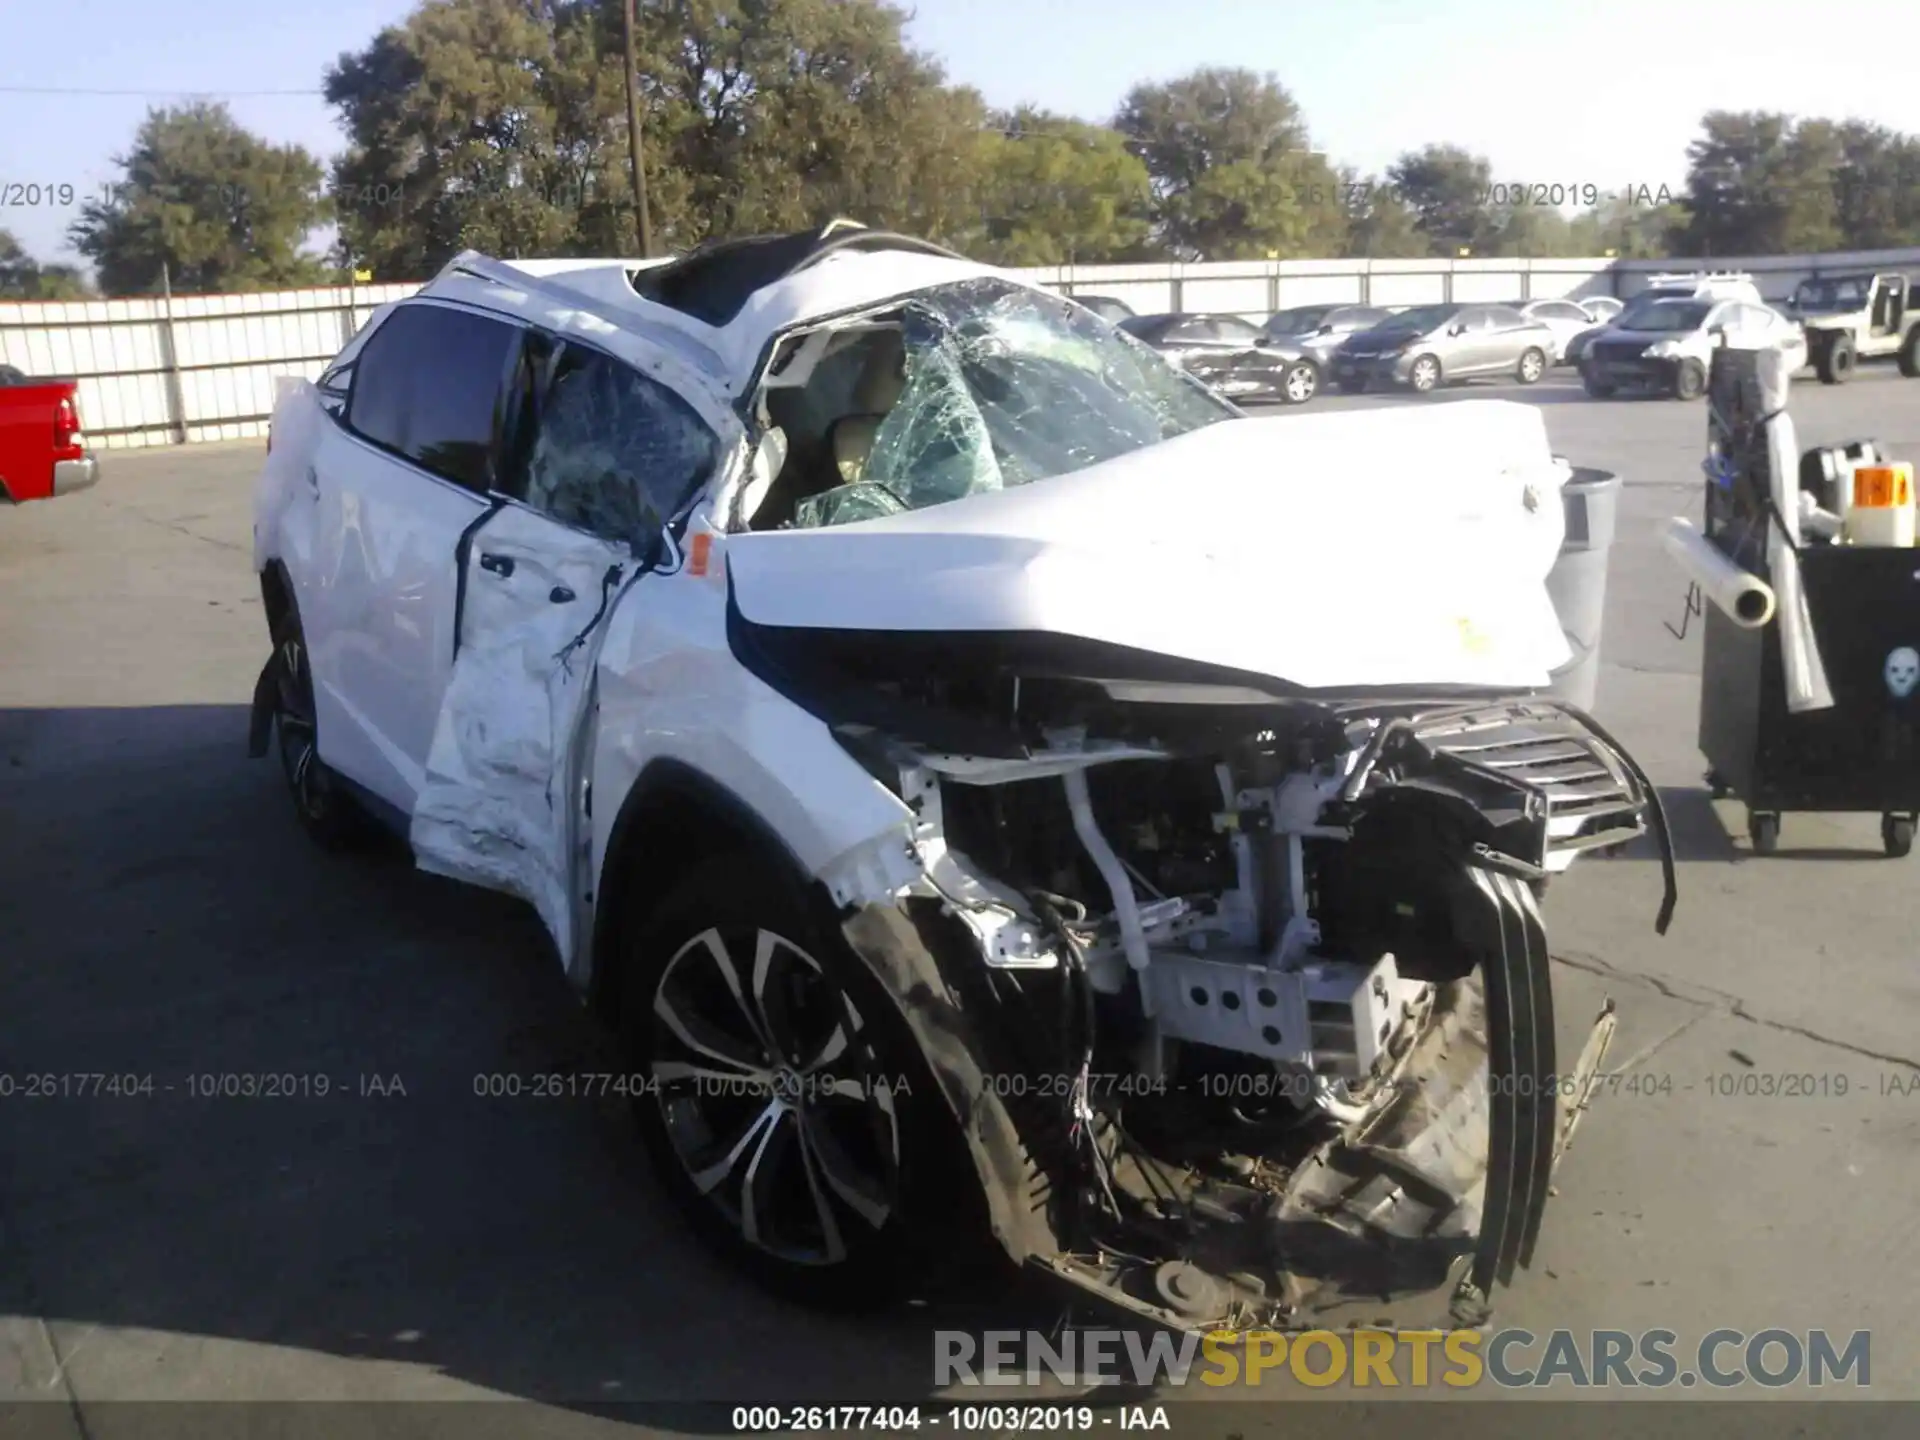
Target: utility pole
point(633, 143)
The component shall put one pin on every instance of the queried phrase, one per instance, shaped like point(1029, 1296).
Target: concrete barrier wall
point(201, 367)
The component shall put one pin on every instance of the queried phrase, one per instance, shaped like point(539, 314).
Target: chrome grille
point(1591, 794)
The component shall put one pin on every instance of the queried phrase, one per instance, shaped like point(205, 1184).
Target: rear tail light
point(66, 424)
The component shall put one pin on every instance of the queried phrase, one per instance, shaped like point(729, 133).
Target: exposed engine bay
point(1258, 984)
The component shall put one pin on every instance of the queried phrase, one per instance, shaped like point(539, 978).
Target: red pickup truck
point(43, 451)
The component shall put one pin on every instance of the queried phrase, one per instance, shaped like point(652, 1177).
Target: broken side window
point(614, 453)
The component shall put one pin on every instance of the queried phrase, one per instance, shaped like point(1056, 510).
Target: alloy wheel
point(299, 744)
point(1301, 382)
point(771, 1096)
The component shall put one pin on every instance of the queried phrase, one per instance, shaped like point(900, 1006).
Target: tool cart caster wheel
point(1896, 833)
point(1717, 785)
point(1763, 829)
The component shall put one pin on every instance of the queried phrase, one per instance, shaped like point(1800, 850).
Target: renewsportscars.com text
point(1379, 1359)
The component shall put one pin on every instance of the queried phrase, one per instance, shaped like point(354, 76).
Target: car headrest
point(853, 444)
point(768, 459)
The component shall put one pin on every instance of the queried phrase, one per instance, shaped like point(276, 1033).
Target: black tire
point(1598, 389)
point(1763, 830)
point(1352, 387)
point(1689, 380)
point(1717, 786)
point(1538, 359)
point(1299, 382)
point(1910, 353)
point(1835, 360)
point(322, 803)
point(1424, 375)
point(1896, 835)
point(860, 1155)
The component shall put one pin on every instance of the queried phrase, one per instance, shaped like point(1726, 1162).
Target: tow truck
point(1858, 316)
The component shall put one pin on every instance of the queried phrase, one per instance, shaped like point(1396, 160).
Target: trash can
point(1578, 581)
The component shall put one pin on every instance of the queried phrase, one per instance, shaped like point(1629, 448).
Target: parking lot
point(162, 918)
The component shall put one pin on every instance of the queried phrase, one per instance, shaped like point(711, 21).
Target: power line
point(86, 90)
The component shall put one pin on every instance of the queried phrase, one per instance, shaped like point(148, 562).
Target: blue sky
point(1554, 91)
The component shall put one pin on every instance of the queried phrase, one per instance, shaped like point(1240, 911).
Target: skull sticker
point(1903, 671)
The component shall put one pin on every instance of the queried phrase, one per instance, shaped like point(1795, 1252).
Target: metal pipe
point(1126, 908)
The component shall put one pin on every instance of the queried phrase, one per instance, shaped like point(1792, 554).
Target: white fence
point(202, 367)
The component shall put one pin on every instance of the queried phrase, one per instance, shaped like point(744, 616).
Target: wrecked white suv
point(963, 758)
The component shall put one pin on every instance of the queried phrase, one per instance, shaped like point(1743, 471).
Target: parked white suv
point(1667, 345)
point(965, 761)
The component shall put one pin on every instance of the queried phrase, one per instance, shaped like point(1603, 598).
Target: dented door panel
point(496, 805)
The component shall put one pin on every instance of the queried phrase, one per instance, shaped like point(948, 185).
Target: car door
point(1235, 347)
point(403, 470)
point(1469, 352)
point(599, 458)
point(1188, 339)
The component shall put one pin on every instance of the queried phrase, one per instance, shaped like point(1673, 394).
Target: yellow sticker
point(1472, 639)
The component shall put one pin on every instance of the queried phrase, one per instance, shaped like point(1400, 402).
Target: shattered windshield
point(1002, 386)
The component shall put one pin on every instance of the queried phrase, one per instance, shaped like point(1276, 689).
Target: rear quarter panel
point(26, 437)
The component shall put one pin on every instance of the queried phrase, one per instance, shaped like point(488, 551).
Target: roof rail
point(481, 266)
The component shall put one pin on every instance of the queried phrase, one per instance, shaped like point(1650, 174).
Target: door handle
point(501, 565)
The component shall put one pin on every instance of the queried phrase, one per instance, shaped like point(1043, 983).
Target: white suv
point(964, 760)
point(1667, 344)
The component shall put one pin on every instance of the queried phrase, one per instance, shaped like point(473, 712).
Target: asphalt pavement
point(163, 924)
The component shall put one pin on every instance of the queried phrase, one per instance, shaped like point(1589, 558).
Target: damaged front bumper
point(1359, 1098)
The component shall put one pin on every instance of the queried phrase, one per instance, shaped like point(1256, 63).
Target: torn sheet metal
point(497, 806)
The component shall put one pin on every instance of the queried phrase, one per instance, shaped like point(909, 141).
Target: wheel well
point(672, 820)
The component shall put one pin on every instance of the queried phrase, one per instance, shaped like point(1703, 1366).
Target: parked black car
point(1232, 356)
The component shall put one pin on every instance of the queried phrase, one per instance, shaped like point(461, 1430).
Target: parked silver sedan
point(1433, 345)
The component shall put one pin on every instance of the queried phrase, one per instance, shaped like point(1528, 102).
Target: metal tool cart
point(1817, 706)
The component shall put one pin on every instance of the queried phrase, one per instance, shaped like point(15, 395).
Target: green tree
point(1760, 184)
point(1631, 229)
point(1380, 225)
point(1232, 169)
point(1446, 189)
point(216, 205)
point(24, 278)
point(1059, 191)
point(787, 113)
point(1877, 188)
point(501, 125)
point(456, 136)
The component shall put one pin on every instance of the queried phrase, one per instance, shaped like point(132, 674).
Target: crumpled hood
point(1352, 550)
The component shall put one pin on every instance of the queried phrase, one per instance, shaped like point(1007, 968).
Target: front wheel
point(1689, 380)
point(1910, 354)
point(1300, 383)
point(1835, 360)
point(1425, 375)
point(781, 1097)
point(1598, 389)
point(1533, 364)
point(1896, 835)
